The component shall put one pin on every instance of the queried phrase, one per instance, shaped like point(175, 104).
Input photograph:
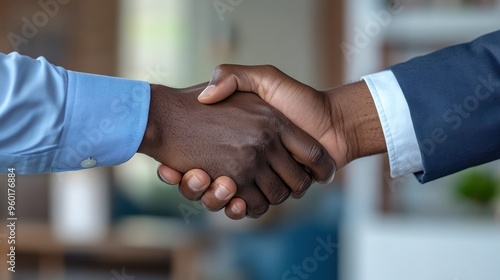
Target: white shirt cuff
point(394, 113)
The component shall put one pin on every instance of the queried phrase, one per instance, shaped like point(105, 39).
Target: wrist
point(151, 140)
point(166, 112)
point(355, 117)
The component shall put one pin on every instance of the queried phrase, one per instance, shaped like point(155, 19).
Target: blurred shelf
point(442, 26)
point(175, 253)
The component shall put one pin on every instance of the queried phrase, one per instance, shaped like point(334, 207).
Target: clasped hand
point(264, 137)
point(242, 137)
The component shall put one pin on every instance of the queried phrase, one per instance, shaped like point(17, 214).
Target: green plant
point(477, 186)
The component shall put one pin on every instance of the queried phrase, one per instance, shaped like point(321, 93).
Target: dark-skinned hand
point(242, 138)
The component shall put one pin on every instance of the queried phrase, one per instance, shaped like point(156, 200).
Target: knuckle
point(258, 210)
point(278, 124)
point(280, 197)
point(261, 141)
point(270, 69)
point(317, 155)
point(265, 137)
point(298, 195)
point(303, 184)
point(273, 77)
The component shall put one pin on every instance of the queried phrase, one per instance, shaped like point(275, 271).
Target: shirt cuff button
point(88, 163)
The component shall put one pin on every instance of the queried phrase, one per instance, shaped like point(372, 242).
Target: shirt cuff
point(104, 121)
point(394, 113)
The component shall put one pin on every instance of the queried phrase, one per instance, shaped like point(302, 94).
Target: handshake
point(265, 137)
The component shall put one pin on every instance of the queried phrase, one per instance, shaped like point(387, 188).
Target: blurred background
point(122, 223)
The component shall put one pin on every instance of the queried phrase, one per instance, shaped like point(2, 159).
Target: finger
point(194, 183)
point(272, 187)
point(168, 175)
point(309, 152)
point(226, 79)
point(219, 193)
point(236, 209)
point(290, 171)
point(255, 200)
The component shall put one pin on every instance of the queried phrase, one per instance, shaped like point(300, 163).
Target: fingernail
point(163, 179)
point(195, 183)
point(207, 92)
point(235, 209)
point(331, 177)
point(222, 192)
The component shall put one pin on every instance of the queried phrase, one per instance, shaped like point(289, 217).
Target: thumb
point(168, 175)
point(216, 92)
point(226, 79)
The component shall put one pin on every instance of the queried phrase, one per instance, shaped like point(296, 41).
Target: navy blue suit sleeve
point(454, 100)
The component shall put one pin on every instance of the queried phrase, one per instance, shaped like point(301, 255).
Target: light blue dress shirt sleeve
point(55, 120)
